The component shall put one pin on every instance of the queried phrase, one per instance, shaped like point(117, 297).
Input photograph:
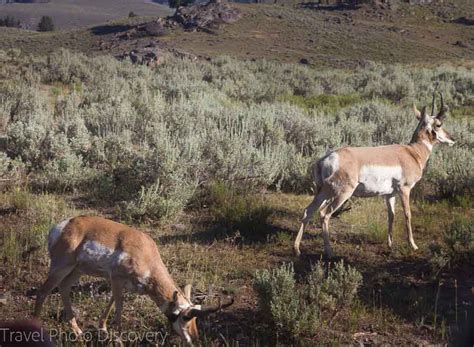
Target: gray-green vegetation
point(297, 311)
point(151, 139)
point(230, 143)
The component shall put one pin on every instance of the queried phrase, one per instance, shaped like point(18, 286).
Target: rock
point(5, 298)
point(464, 21)
point(178, 227)
point(155, 29)
point(206, 16)
point(150, 56)
point(461, 44)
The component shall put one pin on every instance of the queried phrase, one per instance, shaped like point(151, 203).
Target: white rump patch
point(330, 165)
point(378, 180)
point(55, 233)
point(96, 256)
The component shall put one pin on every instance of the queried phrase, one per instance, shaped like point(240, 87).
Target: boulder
point(150, 56)
point(206, 16)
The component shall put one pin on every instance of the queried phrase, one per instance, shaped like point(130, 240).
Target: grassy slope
point(331, 38)
point(325, 38)
point(68, 14)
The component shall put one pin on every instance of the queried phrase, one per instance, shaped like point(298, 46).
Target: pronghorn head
point(183, 316)
point(430, 128)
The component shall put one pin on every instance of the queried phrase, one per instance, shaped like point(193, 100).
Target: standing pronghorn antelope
point(371, 171)
point(129, 259)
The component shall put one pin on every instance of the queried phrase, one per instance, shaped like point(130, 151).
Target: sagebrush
point(300, 309)
point(147, 140)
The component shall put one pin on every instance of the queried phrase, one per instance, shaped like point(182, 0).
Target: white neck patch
point(428, 145)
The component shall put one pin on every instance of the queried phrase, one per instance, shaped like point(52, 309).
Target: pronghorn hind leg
point(405, 197)
point(65, 290)
point(390, 202)
point(326, 213)
point(55, 276)
point(318, 200)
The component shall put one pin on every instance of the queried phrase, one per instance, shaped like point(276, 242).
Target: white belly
point(378, 180)
point(95, 257)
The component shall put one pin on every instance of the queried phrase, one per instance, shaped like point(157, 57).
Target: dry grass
point(415, 35)
point(395, 301)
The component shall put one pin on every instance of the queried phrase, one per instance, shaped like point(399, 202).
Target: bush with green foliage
point(46, 24)
point(239, 210)
point(9, 21)
point(297, 310)
point(456, 247)
point(148, 140)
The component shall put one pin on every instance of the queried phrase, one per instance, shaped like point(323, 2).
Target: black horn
point(206, 310)
point(433, 104)
point(444, 109)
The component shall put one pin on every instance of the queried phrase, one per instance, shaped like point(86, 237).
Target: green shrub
point(158, 201)
point(46, 24)
point(239, 210)
point(323, 102)
point(125, 127)
point(456, 247)
point(299, 309)
point(29, 233)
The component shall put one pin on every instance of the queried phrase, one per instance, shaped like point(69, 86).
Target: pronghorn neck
point(422, 148)
point(162, 288)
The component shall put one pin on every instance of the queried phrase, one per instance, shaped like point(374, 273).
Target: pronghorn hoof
point(103, 330)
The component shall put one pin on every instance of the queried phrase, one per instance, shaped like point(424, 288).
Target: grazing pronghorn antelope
point(372, 171)
point(129, 259)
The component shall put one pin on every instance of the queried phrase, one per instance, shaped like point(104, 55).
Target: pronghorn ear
point(424, 116)
point(187, 291)
point(175, 297)
point(417, 112)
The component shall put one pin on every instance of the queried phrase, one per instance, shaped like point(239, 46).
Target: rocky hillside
point(319, 35)
point(71, 14)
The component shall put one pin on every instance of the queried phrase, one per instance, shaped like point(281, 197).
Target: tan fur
point(370, 171)
point(142, 259)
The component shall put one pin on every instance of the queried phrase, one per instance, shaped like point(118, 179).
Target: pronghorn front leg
point(390, 201)
point(106, 314)
point(405, 197)
point(117, 297)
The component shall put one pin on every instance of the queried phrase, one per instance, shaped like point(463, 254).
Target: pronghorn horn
point(444, 109)
point(433, 104)
point(206, 310)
